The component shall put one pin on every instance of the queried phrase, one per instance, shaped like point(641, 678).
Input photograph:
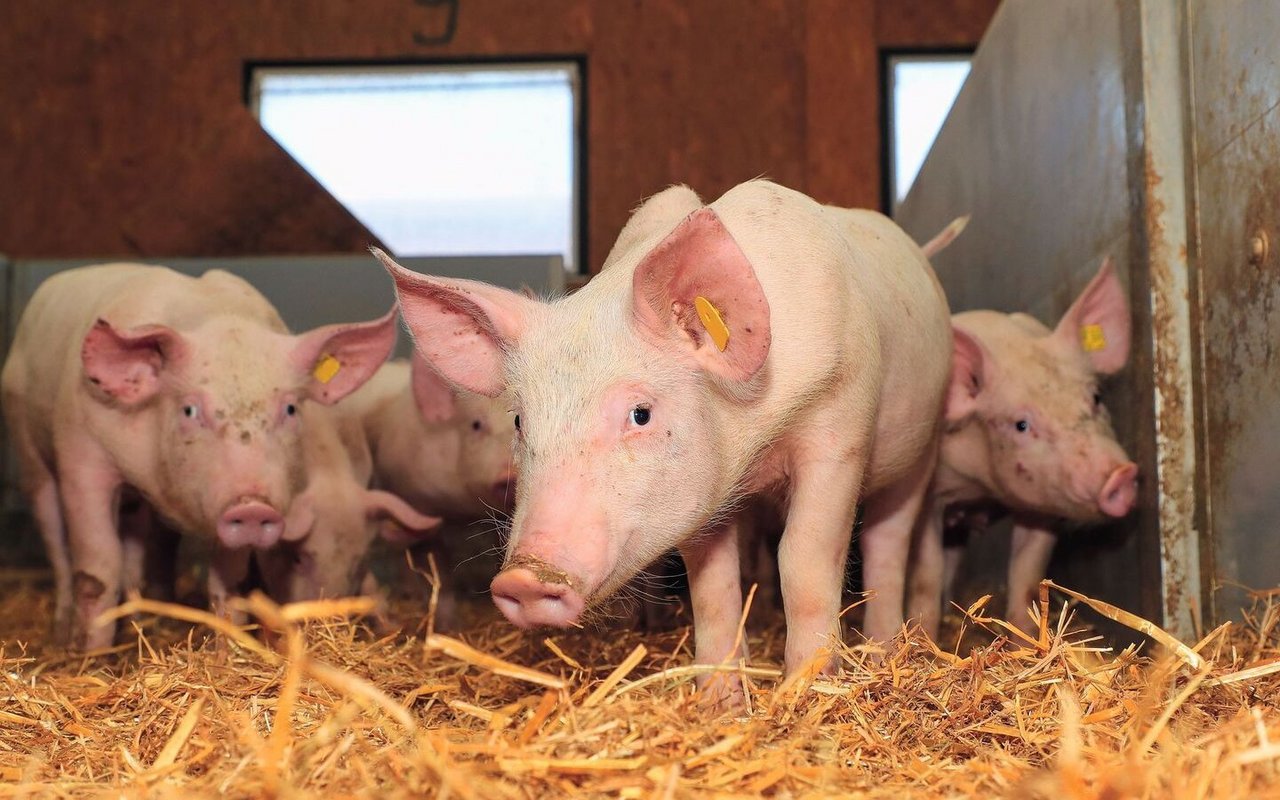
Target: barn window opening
point(438, 160)
point(919, 91)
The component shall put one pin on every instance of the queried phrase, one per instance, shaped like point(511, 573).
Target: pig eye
point(290, 409)
point(475, 425)
point(191, 411)
point(640, 415)
point(1022, 425)
point(1097, 400)
point(517, 422)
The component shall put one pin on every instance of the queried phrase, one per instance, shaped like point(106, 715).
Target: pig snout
point(1120, 491)
point(532, 594)
point(250, 523)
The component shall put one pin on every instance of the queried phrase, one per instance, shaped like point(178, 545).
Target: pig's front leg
point(715, 589)
point(90, 493)
point(228, 571)
point(1029, 551)
point(889, 518)
point(812, 555)
point(928, 570)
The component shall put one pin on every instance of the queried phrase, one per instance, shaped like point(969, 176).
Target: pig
point(328, 558)
point(1026, 429)
point(448, 453)
point(189, 391)
point(762, 343)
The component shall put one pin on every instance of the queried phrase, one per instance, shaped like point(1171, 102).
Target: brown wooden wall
point(123, 129)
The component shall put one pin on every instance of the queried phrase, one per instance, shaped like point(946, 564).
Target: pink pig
point(638, 432)
point(189, 390)
point(326, 557)
point(447, 452)
point(1026, 429)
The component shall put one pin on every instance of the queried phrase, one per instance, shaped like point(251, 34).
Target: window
point(919, 92)
point(438, 160)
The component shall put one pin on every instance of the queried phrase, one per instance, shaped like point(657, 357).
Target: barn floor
point(181, 709)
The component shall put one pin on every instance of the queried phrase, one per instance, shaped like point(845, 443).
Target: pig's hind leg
point(89, 491)
point(889, 518)
point(41, 489)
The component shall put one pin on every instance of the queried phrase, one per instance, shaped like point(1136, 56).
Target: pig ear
point(967, 375)
point(463, 328)
point(300, 519)
point(435, 397)
point(1099, 322)
point(403, 525)
point(338, 359)
point(729, 333)
point(127, 364)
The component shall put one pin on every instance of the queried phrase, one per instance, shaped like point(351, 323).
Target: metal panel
point(1236, 152)
point(1066, 146)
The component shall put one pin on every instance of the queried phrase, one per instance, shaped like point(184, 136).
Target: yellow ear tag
point(1091, 338)
point(710, 317)
point(326, 368)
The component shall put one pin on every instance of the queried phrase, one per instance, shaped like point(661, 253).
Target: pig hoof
point(722, 692)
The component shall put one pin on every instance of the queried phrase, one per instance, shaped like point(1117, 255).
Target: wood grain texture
point(126, 132)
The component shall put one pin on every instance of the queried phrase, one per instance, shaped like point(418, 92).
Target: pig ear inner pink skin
point(701, 259)
point(1102, 303)
point(359, 348)
point(463, 328)
point(435, 397)
point(128, 365)
point(967, 376)
point(402, 523)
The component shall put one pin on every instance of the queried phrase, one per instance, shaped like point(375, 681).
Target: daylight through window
point(438, 160)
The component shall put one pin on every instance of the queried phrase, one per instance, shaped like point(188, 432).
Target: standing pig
point(326, 556)
point(1027, 430)
point(446, 452)
point(190, 391)
point(761, 343)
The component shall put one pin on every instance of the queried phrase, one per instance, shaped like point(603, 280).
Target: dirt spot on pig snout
point(544, 572)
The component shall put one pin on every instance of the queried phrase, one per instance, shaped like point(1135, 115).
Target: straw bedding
point(319, 705)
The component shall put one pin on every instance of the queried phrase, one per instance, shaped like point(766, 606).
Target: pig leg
point(227, 573)
point(889, 519)
point(47, 510)
point(715, 589)
point(928, 571)
point(89, 498)
point(41, 489)
point(812, 554)
point(1029, 553)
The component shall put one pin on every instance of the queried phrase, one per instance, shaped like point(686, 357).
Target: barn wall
point(125, 132)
